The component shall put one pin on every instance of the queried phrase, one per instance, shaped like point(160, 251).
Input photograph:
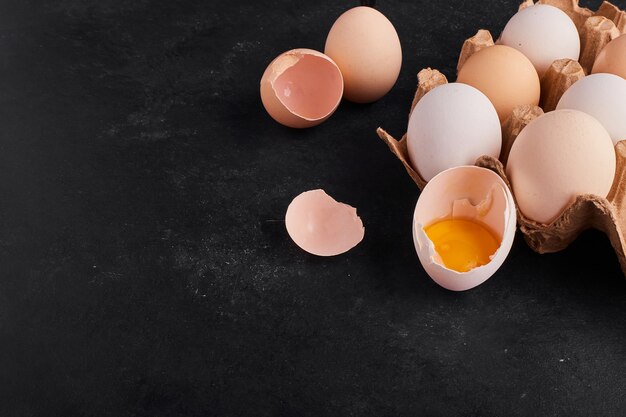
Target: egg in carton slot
point(605, 213)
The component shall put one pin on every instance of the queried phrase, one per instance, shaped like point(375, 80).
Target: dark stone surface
point(145, 267)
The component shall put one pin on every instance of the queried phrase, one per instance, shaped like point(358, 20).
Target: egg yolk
point(462, 244)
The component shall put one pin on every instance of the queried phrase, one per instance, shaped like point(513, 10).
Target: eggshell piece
point(452, 125)
point(366, 47)
point(612, 58)
point(466, 192)
point(504, 75)
point(557, 157)
point(322, 226)
point(301, 88)
point(603, 97)
point(543, 33)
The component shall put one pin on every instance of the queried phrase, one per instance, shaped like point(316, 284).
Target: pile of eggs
point(558, 156)
point(361, 63)
point(465, 218)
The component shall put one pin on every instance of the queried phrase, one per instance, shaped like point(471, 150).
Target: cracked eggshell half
point(301, 88)
point(323, 226)
point(465, 192)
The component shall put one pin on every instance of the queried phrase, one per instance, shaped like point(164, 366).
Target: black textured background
point(145, 267)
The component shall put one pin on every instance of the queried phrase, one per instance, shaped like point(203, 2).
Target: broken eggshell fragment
point(301, 88)
point(321, 225)
point(466, 192)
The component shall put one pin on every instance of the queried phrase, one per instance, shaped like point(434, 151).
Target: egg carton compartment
point(607, 214)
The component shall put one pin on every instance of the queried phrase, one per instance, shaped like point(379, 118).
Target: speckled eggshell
point(543, 33)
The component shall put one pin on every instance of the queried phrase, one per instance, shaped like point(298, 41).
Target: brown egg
point(504, 75)
point(558, 156)
point(612, 58)
point(301, 88)
point(366, 47)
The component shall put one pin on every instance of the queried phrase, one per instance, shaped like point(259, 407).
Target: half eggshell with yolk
point(471, 193)
point(301, 88)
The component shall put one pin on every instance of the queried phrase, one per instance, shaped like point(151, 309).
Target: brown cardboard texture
point(588, 211)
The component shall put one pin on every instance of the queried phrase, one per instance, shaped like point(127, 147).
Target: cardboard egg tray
point(608, 214)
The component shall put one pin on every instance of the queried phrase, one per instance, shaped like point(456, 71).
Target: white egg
point(602, 96)
point(544, 34)
point(452, 125)
point(466, 192)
